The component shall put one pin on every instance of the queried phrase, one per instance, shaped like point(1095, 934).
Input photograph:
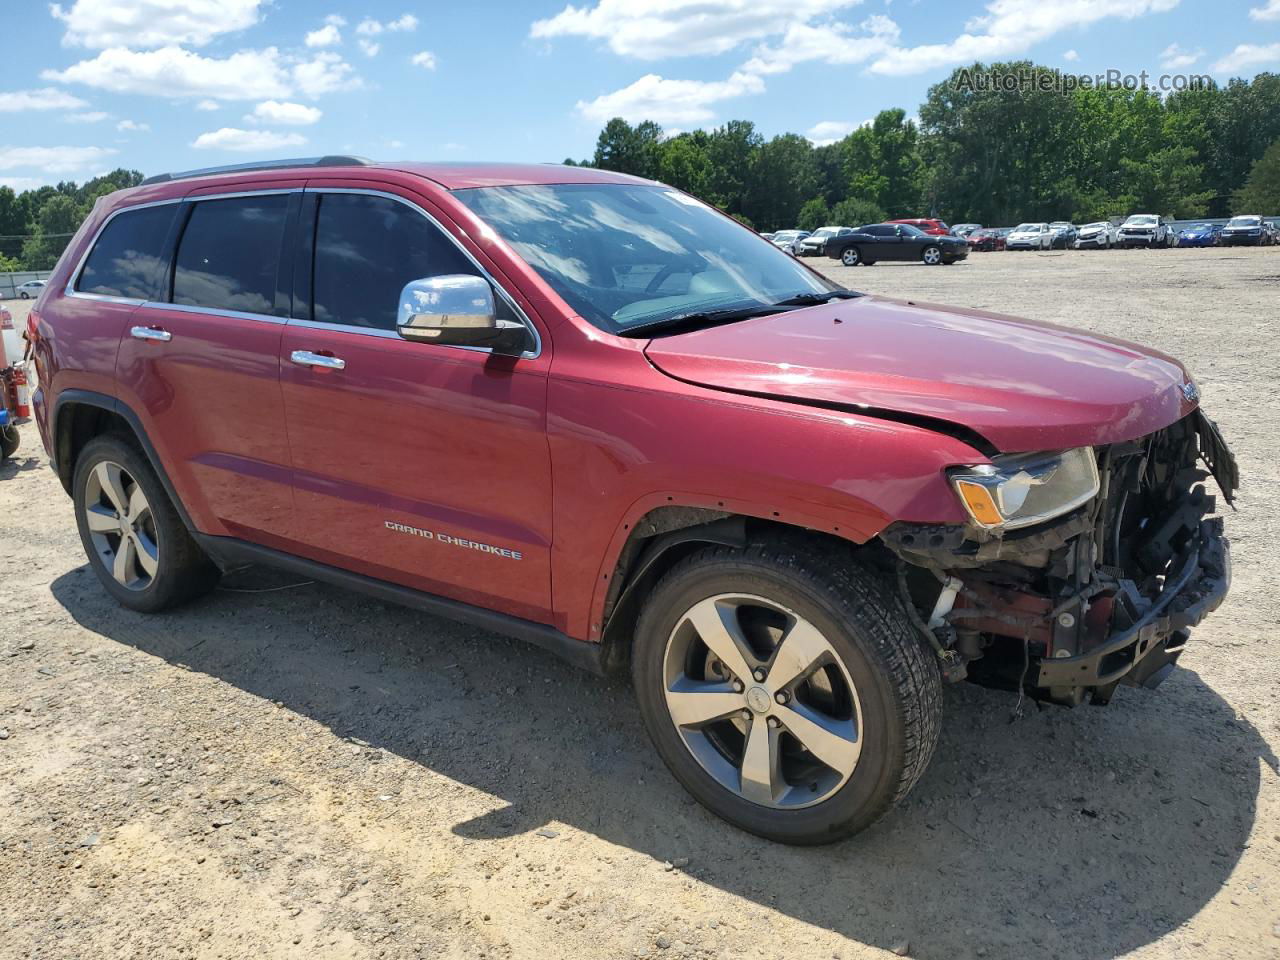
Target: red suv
point(592, 412)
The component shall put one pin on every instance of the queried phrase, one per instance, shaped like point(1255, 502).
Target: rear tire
point(152, 565)
point(9, 440)
point(875, 689)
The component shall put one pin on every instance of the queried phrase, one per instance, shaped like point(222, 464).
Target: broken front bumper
point(1144, 653)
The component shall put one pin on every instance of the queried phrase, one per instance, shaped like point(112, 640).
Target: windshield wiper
point(806, 299)
point(684, 322)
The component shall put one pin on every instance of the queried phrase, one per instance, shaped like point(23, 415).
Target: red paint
point(558, 457)
point(929, 225)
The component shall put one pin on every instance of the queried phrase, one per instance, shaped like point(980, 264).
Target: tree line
point(980, 153)
point(986, 154)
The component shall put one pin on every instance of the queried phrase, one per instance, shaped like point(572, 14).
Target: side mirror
point(457, 310)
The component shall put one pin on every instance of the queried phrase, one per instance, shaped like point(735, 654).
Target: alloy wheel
point(850, 257)
point(762, 701)
point(932, 256)
point(121, 525)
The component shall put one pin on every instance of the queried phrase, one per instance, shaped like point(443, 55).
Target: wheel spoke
point(138, 506)
point(148, 554)
point(125, 561)
point(693, 704)
point(798, 653)
point(761, 777)
point(111, 481)
point(102, 519)
point(835, 742)
point(717, 625)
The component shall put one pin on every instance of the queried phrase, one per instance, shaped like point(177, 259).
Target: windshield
point(1028, 228)
point(624, 255)
point(1245, 222)
point(1140, 220)
point(786, 234)
point(826, 232)
point(1093, 226)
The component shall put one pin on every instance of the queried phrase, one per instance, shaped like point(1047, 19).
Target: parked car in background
point(966, 229)
point(930, 225)
point(986, 239)
point(1064, 234)
point(1245, 230)
point(1146, 230)
point(872, 243)
point(1030, 236)
point(1100, 235)
point(1200, 235)
point(767, 236)
point(31, 289)
point(789, 240)
point(789, 510)
point(1273, 231)
point(814, 245)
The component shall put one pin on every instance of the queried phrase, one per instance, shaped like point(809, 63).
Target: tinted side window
point(127, 259)
point(229, 254)
point(367, 248)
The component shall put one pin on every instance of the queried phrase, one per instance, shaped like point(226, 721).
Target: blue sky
point(89, 85)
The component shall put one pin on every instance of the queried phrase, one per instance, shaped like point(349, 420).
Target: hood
point(1020, 384)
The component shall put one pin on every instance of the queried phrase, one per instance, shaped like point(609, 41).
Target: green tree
point(855, 212)
point(731, 149)
point(58, 219)
point(629, 149)
point(780, 178)
point(814, 214)
point(1261, 193)
point(683, 162)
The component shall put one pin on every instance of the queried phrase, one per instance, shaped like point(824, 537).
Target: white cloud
point(656, 98)
point(833, 43)
point(1248, 55)
point(99, 24)
point(91, 116)
point(53, 159)
point(830, 131)
point(1071, 56)
point(1271, 11)
point(46, 98)
point(19, 184)
point(130, 126)
point(425, 59)
point(369, 27)
point(208, 105)
point(231, 138)
point(1011, 27)
point(1175, 58)
point(655, 31)
point(177, 73)
point(327, 36)
point(324, 73)
point(283, 114)
point(368, 47)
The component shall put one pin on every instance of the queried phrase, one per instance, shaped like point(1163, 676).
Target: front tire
point(850, 257)
point(136, 543)
point(931, 256)
point(785, 688)
point(9, 440)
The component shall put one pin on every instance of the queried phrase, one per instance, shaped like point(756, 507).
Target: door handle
point(308, 359)
point(150, 333)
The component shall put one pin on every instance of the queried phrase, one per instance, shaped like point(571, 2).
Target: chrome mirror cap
point(434, 307)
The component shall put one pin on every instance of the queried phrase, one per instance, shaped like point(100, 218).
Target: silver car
point(815, 245)
point(1029, 236)
point(31, 289)
point(1100, 235)
point(789, 240)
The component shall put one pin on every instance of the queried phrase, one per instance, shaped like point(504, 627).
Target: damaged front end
point(1101, 595)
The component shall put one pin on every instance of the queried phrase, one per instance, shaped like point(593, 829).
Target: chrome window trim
point(392, 334)
point(209, 311)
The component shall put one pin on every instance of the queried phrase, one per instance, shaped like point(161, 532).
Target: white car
point(789, 240)
point(815, 245)
point(1146, 230)
point(1029, 236)
point(1100, 235)
point(31, 289)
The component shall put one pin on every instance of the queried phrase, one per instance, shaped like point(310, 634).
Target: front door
point(421, 464)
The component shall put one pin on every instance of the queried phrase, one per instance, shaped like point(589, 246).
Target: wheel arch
point(80, 415)
point(661, 538)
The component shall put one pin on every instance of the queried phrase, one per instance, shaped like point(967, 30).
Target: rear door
point(201, 364)
point(421, 464)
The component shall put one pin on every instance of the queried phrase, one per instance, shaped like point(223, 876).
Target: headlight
point(1019, 490)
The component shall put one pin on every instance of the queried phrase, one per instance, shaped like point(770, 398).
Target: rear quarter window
point(128, 259)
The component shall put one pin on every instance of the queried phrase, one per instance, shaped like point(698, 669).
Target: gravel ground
point(303, 772)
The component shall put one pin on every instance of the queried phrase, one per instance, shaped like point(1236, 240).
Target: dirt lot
point(308, 773)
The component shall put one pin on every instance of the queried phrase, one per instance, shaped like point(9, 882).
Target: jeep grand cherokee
point(590, 411)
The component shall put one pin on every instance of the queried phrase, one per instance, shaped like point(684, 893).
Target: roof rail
point(335, 160)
